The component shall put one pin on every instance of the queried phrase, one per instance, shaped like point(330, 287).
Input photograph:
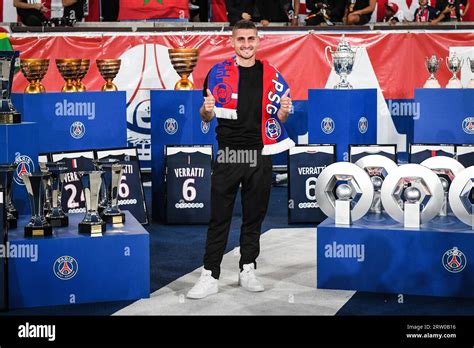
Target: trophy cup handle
point(326, 54)
point(447, 63)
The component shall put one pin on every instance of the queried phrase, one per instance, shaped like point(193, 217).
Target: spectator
point(31, 12)
point(198, 11)
point(451, 10)
point(279, 11)
point(426, 13)
point(110, 10)
point(328, 11)
point(73, 10)
point(392, 14)
point(241, 9)
point(359, 12)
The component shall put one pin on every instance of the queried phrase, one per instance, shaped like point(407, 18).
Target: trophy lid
point(343, 45)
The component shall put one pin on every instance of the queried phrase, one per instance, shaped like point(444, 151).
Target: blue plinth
point(377, 254)
point(115, 266)
point(175, 120)
point(342, 117)
point(446, 116)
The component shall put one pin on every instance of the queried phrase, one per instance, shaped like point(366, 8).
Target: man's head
point(391, 9)
point(423, 3)
point(245, 40)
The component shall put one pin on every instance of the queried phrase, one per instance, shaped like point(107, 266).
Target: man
point(278, 11)
point(251, 101)
point(426, 13)
point(392, 14)
point(31, 12)
point(359, 12)
point(241, 9)
point(73, 10)
point(451, 10)
point(328, 11)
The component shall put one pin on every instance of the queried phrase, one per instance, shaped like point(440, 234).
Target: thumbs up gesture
point(209, 102)
point(285, 102)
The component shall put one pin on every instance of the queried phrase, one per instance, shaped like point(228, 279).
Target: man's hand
point(285, 106)
point(207, 108)
point(246, 16)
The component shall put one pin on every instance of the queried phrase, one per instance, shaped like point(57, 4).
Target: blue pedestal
point(446, 116)
point(113, 267)
point(175, 121)
point(377, 254)
point(342, 117)
point(55, 122)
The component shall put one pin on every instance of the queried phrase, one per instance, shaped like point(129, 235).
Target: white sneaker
point(248, 279)
point(205, 286)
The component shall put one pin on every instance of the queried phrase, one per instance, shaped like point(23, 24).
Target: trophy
point(38, 225)
point(83, 69)
point(34, 70)
point(344, 192)
point(56, 215)
point(184, 61)
point(412, 194)
point(47, 189)
point(432, 64)
point(8, 113)
point(454, 64)
point(109, 68)
point(471, 65)
point(378, 167)
point(69, 70)
point(112, 177)
point(446, 168)
point(92, 223)
point(343, 61)
point(103, 195)
point(6, 181)
point(461, 196)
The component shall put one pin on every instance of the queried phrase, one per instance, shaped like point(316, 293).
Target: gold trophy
point(184, 60)
point(34, 70)
point(69, 69)
point(83, 69)
point(109, 68)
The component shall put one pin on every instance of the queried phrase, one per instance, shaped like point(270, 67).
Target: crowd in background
point(264, 12)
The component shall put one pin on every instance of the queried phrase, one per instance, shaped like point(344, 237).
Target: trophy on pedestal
point(112, 177)
point(343, 62)
point(103, 198)
point(109, 68)
point(344, 192)
point(461, 196)
point(34, 70)
point(56, 215)
point(83, 69)
point(69, 70)
point(47, 189)
point(92, 223)
point(471, 65)
point(8, 113)
point(6, 182)
point(412, 194)
point(184, 61)
point(454, 64)
point(38, 225)
point(432, 64)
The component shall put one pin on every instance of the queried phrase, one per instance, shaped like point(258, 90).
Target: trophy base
point(114, 219)
point(432, 84)
point(454, 84)
point(62, 221)
point(184, 85)
point(42, 231)
point(92, 229)
point(12, 224)
point(343, 86)
point(10, 118)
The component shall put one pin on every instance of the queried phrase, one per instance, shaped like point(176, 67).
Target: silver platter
point(443, 165)
point(458, 195)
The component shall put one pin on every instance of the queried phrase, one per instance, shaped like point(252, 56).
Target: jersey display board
point(72, 198)
point(465, 154)
point(131, 194)
point(3, 259)
point(188, 184)
point(356, 152)
point(305, 163)
point(420, 152)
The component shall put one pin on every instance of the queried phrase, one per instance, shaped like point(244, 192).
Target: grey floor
point(286, 266)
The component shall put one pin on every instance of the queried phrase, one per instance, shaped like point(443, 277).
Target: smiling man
point(251, 101)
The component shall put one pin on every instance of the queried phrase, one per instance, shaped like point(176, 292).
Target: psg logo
point(363, 125)
point(25, 166)
point(272, 129)
point(65, 267)
point(454, 260)
point(77, 130)
point(205, 127)
point(223, 93)
point(468, 125)
point(171, 126)
point(327, 125)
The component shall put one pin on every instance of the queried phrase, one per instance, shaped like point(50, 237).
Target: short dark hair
point(244, 24)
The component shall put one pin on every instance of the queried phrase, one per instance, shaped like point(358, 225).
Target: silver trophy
point(56, 215)
point(454, 64)
point(446, 168)
point(112, 176)
point(8, 113)
point(103, 199)
point(412, 194)
point(471, 65)
point(432, 64)
point(378, 167)
point(343, 61)
point(38, 225)
point(47, 189)
point(461, 196)
point(6, 182)
point(344, 192)
point(92, 223)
